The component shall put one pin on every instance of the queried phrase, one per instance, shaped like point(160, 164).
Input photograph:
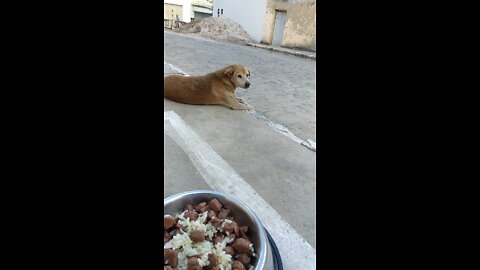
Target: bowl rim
point(262, 258)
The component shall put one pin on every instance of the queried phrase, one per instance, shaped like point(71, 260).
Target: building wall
point(250, 14)
point(205, 3)
point(171, 10)
point(300, 24)
point(186, 13)
point(201, 11)
point(200, 15)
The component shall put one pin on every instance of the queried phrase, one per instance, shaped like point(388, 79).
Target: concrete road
point(211, 147)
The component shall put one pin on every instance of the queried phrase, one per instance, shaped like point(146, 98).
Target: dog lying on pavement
point(216, 88)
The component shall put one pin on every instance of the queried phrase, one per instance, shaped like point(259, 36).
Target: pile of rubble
point(222, 29)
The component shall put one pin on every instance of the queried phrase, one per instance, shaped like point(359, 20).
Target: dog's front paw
point(244, 105)
point(241, 100)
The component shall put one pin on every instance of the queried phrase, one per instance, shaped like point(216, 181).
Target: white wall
point(250, 14)
point(187, 8)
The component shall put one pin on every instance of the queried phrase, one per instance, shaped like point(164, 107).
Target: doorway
point(280, 17)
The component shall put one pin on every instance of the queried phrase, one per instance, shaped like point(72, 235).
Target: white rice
point(187, 248)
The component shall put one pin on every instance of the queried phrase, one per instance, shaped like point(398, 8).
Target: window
point(222, 11)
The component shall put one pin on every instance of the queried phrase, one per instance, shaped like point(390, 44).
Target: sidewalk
point(311, 55)
point(297, 52)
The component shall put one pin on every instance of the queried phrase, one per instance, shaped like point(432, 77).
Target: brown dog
point(216, 88)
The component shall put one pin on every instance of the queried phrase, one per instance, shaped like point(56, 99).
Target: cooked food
point(206, 236)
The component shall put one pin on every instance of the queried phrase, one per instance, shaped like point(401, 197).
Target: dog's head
point(239, 75)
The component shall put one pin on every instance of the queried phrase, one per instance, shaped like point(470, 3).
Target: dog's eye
point(240, 76)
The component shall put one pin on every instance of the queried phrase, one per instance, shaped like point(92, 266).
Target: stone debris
point(221, 29)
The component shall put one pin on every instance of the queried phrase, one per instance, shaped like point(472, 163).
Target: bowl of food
point(215, 231)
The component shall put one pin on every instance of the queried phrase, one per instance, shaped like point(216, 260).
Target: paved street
point(211, 147)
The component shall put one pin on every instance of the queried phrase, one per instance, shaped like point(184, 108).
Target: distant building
point(250, 14)
point(187, 10)
point(285, 23)
point(202, 9)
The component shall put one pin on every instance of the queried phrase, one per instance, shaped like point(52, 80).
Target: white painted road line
point(276, 126)
point(175, 68)
point(284, 131)
point(220, 176)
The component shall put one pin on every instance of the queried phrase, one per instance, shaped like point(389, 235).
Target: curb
point(282, 50)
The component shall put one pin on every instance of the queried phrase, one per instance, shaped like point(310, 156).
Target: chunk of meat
point(231, 238)
point(243, 232)
point(244, 259)
point(192, 215)
point(201, 207)
point(242, 245)
point(166, 237)
point(193, 264)
point(166, 255)
point(197, 236)
point(217, 239)
point(229, 250)
point(211, 214)
point(168, 222)
point(231, 228)
point(236, 230)
point(216, 222)
point(188, 208)
point(170, 257)
point(238, 266)
point(215, 205)
point(212, 258)
point(194, 256)
point(224, 213)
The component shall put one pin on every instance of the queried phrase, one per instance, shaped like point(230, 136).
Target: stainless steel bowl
point(243, 214)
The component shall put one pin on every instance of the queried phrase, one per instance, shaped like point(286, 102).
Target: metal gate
point(279, 26)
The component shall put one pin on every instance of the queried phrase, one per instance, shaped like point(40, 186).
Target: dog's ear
point(229, 71)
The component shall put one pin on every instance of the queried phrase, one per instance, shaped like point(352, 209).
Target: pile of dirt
point(222, 29)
